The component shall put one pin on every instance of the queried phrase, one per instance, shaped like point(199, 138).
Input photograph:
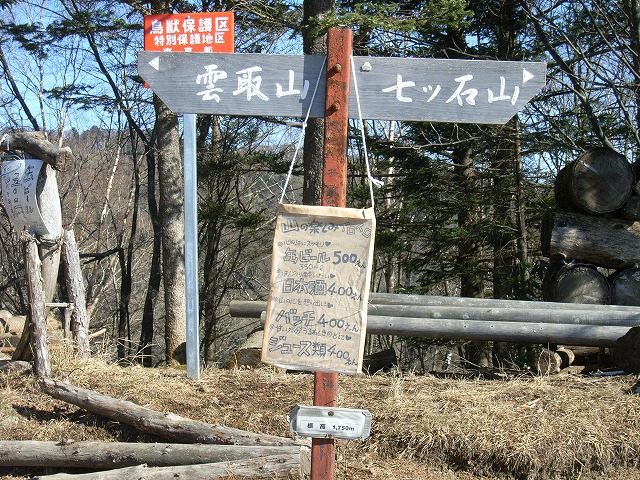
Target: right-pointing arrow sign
point(526, 76)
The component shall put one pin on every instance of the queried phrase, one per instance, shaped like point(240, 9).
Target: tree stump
point(575, 283)
point(600, 181)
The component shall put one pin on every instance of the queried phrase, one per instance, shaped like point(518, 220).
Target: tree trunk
point(271, 467)
point(166, 425)
point(171, 208)
point(634, 16)
point(471, 284)
point(145, 348)
point(312, 159)
point(216, 191)
point(503, 252)
point(112, 455)
point(170, 180)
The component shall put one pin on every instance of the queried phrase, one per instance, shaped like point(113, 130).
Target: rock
point(17, 366)
point(626, 354)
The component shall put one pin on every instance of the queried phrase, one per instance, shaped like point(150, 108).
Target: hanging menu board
point(19, 182)
point(320, 274)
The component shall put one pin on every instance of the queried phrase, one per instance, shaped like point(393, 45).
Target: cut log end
point(599, 181)
point(35, 143)
point(575, 283)
point(625, 287)
point(549, 363)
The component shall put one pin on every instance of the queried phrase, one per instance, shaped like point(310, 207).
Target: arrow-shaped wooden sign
point(389, 88)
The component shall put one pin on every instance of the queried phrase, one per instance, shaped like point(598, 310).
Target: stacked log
point(592, 239)
point(591, 232)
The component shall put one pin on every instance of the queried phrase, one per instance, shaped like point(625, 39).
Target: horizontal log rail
point(487, 319)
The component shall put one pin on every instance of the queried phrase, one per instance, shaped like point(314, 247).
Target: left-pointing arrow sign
point(155, 63)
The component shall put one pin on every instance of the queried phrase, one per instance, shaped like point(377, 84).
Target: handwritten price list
point(321, 268)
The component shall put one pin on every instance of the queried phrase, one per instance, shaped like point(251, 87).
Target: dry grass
point(423, 427)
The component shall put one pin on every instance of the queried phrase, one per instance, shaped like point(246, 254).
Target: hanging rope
point(372, 181)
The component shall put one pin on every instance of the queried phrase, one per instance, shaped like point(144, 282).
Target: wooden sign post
point(334, 194)
point(436, 90)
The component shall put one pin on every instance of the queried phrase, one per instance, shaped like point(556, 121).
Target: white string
point(304, 127)
point(372, 181)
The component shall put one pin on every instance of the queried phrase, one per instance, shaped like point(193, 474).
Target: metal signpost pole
point(191, 245)
point(334, 192)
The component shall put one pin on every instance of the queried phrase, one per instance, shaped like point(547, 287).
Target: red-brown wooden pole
point(334, 194)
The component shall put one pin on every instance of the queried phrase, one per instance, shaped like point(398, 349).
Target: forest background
point(460, 209)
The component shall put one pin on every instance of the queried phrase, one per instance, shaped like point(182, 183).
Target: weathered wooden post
point(75, 291)
point(37, 310)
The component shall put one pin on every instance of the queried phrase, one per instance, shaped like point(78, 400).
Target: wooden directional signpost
point(421, 89)
point(459, 91)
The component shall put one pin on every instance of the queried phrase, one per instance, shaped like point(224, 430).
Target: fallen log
point(37, 145)
point(435, 300)
point(272, 467)
point(112, 455)
point(254, 308)
point(626, 353)
point(548, 363)
point(631, 208)
point(500, 331)
point(576, 317)
point(165, 425)
point(566, 355)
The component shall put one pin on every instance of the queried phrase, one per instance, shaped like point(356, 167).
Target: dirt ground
point(424, 427)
